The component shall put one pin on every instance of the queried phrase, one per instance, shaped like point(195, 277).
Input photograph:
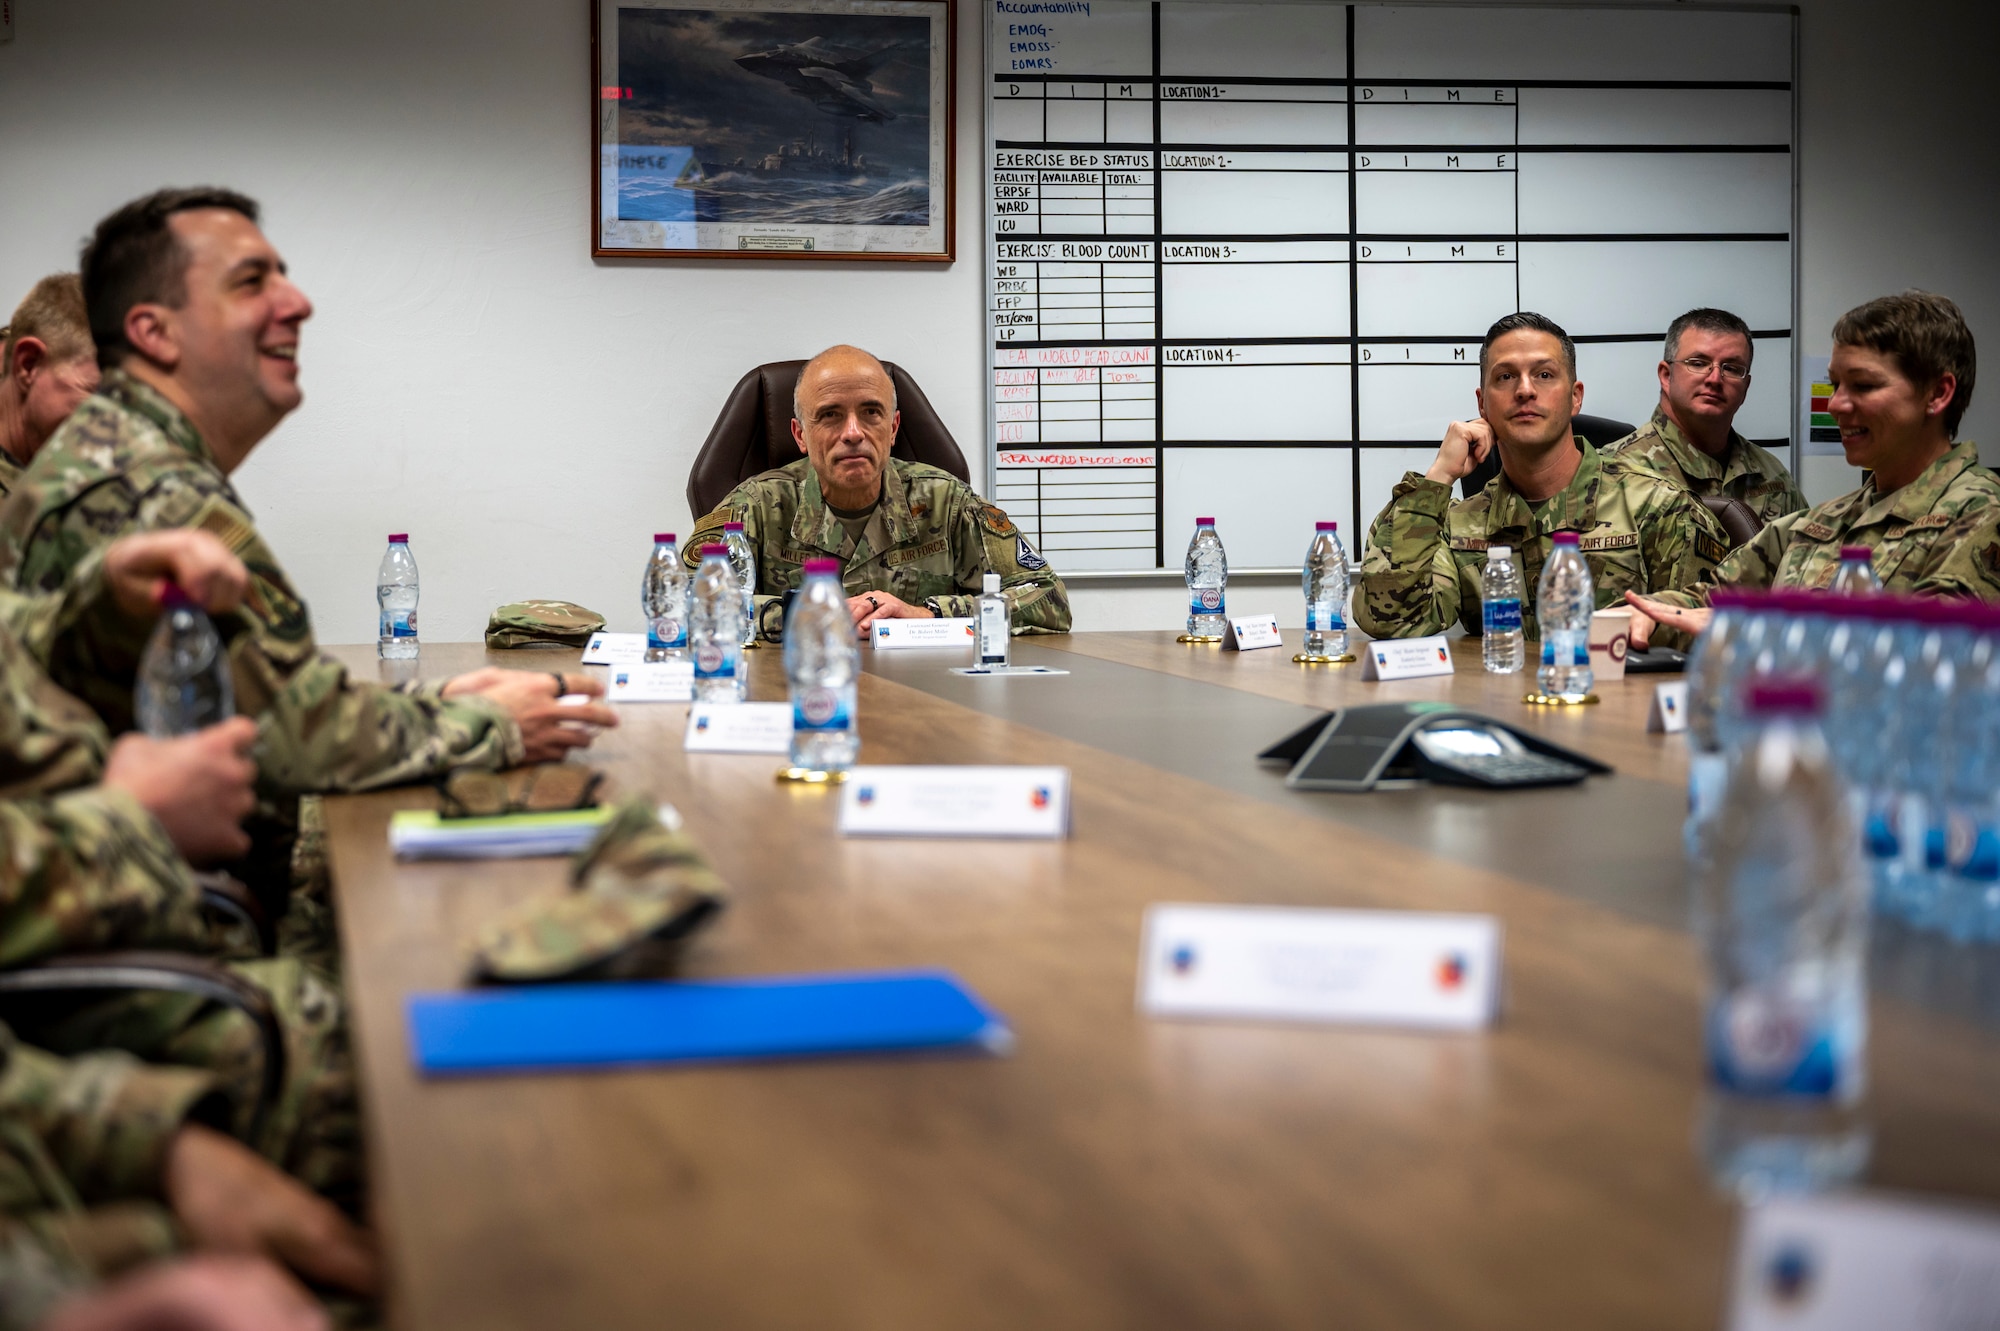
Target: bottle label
point(992, 632)
point(820, 709)
point(1982, 858)
point(665, 633)
point(1324, 617)
point(716, 660)
point(1765, 1042)
point(1708, 776)
point(1560, 643)
point(1502, 614)
point(399, 624)
point(1205, 601)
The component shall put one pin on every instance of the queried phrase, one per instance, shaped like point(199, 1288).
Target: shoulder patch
point(227, 523)
point(1709, 548)
point(995, 520)
point(1028, 557)
point(718, 516)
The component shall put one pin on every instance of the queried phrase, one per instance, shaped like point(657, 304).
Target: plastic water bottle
point(715, 628)
point(396, 595)
point(663, 595)
point(184, 681)
point(1564, 602)
point(1207, 577)
point(744, 560)
point(1325, 584)
point(821, 663)
point(995, 623)
point(1782, 912)
point(1856, 573)
point(1500, 612)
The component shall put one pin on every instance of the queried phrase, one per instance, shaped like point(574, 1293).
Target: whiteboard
point(1240, 255)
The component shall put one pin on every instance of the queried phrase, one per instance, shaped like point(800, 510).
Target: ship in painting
point(802, 158)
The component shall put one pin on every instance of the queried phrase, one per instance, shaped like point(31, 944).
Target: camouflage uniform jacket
point(83, 1146)
point(127, 460)
point(10, 472)
point(81, 867)
point(1425, 554)
point(1936, 535)
point(932, 535)
point(1744, 471)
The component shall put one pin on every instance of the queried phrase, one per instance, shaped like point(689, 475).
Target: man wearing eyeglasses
point(1703, 381)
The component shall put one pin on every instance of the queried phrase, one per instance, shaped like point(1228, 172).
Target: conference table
point(1116, 1170)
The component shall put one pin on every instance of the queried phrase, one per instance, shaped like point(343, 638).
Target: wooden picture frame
point(774, 129)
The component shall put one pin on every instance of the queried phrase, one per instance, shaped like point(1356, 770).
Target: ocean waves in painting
point(751, 200)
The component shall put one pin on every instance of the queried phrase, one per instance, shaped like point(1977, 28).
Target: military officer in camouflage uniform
point(198, 328)
point(106, 1163)
point(95, 844)
point(1902, 371)
point(47, 366)
point(1704, 378)
point(1426, 554)
point(913, 541)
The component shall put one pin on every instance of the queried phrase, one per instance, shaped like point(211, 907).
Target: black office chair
point(754, 433)
point(1599, 430)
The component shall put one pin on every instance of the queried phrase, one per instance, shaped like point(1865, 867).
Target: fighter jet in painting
point(831, 76)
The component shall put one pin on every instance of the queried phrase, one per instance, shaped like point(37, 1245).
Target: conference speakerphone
point(1398, 745)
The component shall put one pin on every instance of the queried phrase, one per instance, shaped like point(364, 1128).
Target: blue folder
point(652, 1022)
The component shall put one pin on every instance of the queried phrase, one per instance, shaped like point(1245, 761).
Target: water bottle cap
point(826, 567)
point(1564, 538)
point(715, 550)
point(1781, 696)
point(174, 597)
point(663, 538)
point(399, 538)
point(1860, 552)
point(732, 526)
point(990, 584)
point(1326, 526)
point(1494, 552)
point(1204, 522)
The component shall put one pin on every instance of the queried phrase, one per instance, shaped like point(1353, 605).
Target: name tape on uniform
point(743, 727)
point(1268, 963)
point(1669, 712)
point(1860, 1261)
point(651, 681)
point(891, 635)
point(1251, 632)
point(1405, 658)
point(956, 802)
point(614, 649)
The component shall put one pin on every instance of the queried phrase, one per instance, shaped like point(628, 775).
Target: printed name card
point(1845, 1263)
point(1405, 658)
point(894, 634)
point(656, 681)
point(1392, 968)
point(956, 802)
point(614, 649)
point(744, 727)
point(1669, 712)
point(1251, 632)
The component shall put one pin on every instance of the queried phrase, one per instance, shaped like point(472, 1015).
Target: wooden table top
point(1114, 1171)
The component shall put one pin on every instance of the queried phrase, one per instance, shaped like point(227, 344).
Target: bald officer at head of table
point(913, 541)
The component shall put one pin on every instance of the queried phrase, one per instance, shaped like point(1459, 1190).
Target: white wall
point(529, 414)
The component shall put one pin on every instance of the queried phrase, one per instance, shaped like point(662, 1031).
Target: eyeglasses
point(1735, 371)
point(549, 788)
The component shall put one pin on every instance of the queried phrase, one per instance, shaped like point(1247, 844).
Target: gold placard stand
point(1199, 637)
point(1551, 700)
point(1304, 659)
point(811, 776)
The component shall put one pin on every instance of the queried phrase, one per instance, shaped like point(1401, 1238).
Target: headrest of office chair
point(1740, 522)
point(753, 433)
point(1599, 430)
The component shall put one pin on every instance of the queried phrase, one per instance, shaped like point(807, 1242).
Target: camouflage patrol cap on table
point(542, 624)
point(638, 888)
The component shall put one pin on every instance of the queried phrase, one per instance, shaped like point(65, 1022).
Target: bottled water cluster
point(1912, 688)
point(1323, 578)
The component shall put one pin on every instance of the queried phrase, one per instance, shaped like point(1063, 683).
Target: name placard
point(1405, 658)
point(655, 681)
point(1845, 1263)
point(1669, 712)
point(1265, 963)
point(744, 727)
point(956, 802)
point(614, 648)
point(1001, 672)
point(891, 635)
point(1251, 632)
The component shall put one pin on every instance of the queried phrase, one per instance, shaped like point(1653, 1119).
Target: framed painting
point(806, 129)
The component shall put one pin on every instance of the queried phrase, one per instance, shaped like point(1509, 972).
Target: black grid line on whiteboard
point(1266, 289)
